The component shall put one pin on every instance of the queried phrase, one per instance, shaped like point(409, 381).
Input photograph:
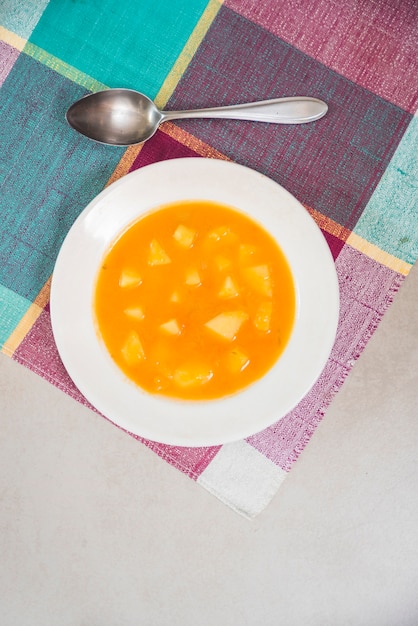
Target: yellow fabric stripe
point(15, 339)
point(78, 77)
point(28, 320)
point(12, 39)
point(360, 244)
point(188, 52)
point(59, 66)
point(125, 163)
point(375, 253)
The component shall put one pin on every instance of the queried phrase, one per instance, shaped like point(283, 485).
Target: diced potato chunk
point(229, 288)
point(136, 312)
point(219, 232)
point(193, 277)
point(175, 297)
point(258, 277)
point(222, 262)
point(262, 318)
point(129, 278)
point(157, 255)
point(246, 252)
point(236, 360)
point(192, 375)
point(171, 327)
point(227, 324)
point(184, 236)
point(223, 233)
point(132, 349)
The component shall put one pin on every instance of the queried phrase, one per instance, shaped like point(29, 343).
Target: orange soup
point(194, 301)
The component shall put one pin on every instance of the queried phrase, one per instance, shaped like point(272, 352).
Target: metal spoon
point(122, 117)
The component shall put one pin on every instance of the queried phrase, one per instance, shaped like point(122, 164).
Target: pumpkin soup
point(194, 300)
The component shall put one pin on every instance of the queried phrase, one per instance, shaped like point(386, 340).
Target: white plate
point(194, 423)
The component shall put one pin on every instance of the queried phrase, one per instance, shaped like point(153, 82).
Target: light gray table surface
point(96, 530)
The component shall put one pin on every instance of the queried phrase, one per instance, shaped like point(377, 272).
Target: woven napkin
point(355, 170)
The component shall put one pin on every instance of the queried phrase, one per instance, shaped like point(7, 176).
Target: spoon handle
point(293, 110)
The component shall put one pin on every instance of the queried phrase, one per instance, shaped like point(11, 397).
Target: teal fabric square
point(390, 219)
point(21, 17)
point(48, 173)
point(121, 44)
point(12, 308)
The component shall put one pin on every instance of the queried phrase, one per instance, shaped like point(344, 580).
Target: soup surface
point(195, 301)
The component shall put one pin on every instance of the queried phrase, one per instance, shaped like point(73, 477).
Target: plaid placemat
point(355, 171)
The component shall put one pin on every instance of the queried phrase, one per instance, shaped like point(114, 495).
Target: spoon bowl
point(123, 117)
point(115, 117)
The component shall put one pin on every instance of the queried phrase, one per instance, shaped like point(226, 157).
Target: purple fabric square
point(332, 165)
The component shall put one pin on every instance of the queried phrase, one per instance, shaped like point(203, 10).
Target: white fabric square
point(243, 478)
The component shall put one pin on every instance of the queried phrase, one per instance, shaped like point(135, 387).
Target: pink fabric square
point(373, 44)
point(8, 56)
